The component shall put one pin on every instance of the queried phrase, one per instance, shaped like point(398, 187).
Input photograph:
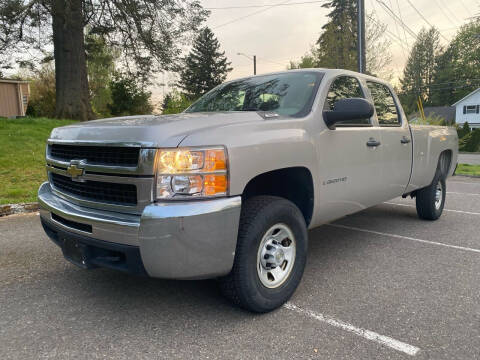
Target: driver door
point(350, 167)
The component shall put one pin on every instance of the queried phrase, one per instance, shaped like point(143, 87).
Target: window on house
point(470, 109)
point(25, 100)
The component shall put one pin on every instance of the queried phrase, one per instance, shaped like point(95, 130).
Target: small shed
point(14, 96)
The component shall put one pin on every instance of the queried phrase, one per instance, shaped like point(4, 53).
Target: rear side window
point(384, 104)
point(344, 87)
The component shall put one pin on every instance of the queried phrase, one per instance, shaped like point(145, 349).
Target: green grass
point(466, 169)
point(22, 157)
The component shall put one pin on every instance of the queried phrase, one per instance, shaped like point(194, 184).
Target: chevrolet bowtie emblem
point(74, 171)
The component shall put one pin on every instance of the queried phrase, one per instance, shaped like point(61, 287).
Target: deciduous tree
point(457, 71)
point(149, 33)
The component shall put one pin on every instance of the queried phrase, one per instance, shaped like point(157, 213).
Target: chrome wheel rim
point(276, 256)
point(438, 195)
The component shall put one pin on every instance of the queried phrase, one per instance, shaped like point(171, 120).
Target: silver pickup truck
point(228, 188)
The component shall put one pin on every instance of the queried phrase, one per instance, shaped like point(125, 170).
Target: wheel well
point(444, 162)
point(294, 184)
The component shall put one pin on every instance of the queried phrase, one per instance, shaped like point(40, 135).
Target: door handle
point(405, 140)
point(373, 143)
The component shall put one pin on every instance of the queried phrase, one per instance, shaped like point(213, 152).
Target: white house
point(468, 110)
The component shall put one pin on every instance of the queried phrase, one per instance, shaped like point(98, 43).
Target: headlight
point(187, 172)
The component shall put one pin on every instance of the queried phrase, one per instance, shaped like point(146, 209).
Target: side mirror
point(348, 109)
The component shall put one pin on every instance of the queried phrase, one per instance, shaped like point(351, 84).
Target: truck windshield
point(287, 94)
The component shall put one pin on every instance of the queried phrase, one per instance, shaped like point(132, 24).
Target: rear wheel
point(270, 255)
point(430, 200)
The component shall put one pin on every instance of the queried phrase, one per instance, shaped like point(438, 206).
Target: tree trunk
point(72, 96)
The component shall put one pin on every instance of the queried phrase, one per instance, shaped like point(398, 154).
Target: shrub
point(42, 93)
point(464, 130)
point(470, 142)
point(128, 98)
point(175, 103)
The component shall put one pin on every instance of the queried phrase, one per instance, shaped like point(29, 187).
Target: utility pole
point(361, 51)
point(254, 61)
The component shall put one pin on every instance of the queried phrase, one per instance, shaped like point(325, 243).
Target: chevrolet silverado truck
point(228, 188)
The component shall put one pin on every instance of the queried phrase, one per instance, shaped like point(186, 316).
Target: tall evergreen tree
point(418, 73)
point(337, 45)
point(204, 67)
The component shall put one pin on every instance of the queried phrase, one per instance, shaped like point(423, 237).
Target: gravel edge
point(22, 208)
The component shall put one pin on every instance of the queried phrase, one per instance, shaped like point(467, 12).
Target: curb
point(469, 176)
point(22, 208)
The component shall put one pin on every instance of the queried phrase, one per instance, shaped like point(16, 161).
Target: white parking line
point(367, 334)
point(455, 211)
point(406, 238)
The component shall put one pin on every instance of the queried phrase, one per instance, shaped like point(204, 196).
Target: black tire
point(243, 285)
point(426, 199)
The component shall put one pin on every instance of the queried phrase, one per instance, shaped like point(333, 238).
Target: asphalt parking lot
point(380, 284)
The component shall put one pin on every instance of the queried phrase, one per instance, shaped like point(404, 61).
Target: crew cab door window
point(385, 106)
point(344, 87)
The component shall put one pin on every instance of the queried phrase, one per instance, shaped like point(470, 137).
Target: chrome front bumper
point(176, 240)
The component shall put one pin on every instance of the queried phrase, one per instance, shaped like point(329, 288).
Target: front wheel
point(270, 256)
point(430, 200)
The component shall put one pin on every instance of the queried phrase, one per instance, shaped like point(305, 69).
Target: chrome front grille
point(110, 176)
point(99, 155)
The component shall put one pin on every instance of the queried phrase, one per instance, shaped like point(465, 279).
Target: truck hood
point(150, 130)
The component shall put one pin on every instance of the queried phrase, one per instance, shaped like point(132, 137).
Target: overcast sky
point(277, 34)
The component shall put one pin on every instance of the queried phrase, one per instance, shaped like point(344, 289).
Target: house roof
point(13, 81)
point(466, 97)
point(445, 112)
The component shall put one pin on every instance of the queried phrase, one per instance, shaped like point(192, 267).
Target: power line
point(270, 61)
point(450, 11)
point(465, 7)
point(446, 88)
point(396, 18)
point(405, 46)
point(249, 15)
point(440, 6)
point(389, 33)
point(264, 5)
point(424, 19)
point(401, 18)
point(396, 25)
point(440, 86)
